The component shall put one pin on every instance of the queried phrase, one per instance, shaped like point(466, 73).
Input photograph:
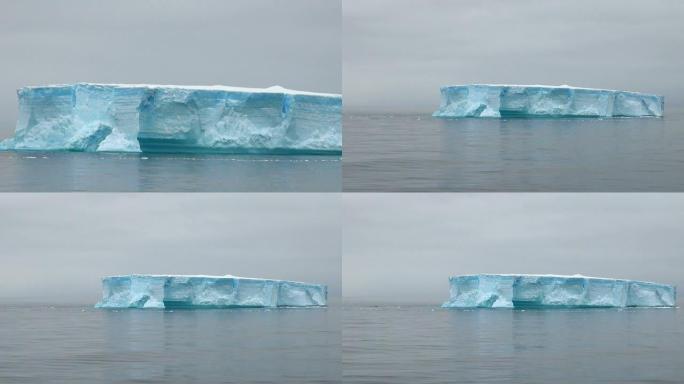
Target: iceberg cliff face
point(149, 118)
point(174, 291)
point(481, 100)
point(551, 291)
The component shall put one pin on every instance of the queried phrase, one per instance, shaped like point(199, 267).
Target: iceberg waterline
point(494, 100)
point(199, 291)
point(555, 291)
point(166, 118)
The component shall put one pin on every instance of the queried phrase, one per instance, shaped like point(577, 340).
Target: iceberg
point(555, 291)
point(168, 118)
point(199, 291)
point(492, 100)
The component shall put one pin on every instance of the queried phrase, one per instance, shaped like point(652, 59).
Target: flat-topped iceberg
point(555, 291)
point(491, 100)
point(197, 291)
point(166, 118)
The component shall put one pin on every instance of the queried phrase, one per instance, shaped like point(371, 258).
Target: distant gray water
point(421, 153)
point(421, 344)
point(116, 172)
point(71, 344)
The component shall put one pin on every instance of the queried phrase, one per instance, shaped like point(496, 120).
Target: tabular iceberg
point(197, 291)
point(490, 100)
point(164, 118)
point(555, 291)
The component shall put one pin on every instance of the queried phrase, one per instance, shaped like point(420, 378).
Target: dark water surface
point(421, 344)
point(421, 153)
point(72, 344)
point(115, 172)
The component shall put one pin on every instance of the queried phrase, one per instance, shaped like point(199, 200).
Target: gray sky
point(56, 247)
point(257, 43)
point(403, 247)
point(397, 53)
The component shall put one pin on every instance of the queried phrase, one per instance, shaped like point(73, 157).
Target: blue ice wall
point(174, 291)
point(154, 118)
point(482, 100)
point(552, 291)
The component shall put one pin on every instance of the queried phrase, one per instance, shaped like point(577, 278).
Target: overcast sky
point(397, 53)
point(294, 43)
point(56, 247)
point(403, 247)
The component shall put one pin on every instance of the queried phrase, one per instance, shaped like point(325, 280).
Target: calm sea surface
point(421, 153)
point(421, 344)
point(111, 172)
point(78, 344)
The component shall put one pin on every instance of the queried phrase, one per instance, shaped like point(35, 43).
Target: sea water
point(384, 152)
point(142, 172)
point(79, 344)
point(419, 344)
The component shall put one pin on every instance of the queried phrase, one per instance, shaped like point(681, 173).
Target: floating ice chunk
point(166, 118)
point(177, 291)
point(555, 291)
point(490, 100)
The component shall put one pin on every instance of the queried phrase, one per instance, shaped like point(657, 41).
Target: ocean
point(79, 344)
point(153, 172)
point(426, 344)
point(408, 153)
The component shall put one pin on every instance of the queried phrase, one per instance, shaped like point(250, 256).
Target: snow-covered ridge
point(155, 118)
point(225, 88)
point(503, 100)
point(576, 275)
point(534, 86)
point(204, 291)
point(201, 276)
point(555, 291)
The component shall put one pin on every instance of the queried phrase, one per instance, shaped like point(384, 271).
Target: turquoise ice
point(198, 291)
point(491, 100)
point(167, 118)
point(555, 291)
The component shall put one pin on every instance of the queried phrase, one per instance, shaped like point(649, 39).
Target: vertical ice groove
point(178, 291)
point(154, 118)
point(492, 100)
point(555, 291)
